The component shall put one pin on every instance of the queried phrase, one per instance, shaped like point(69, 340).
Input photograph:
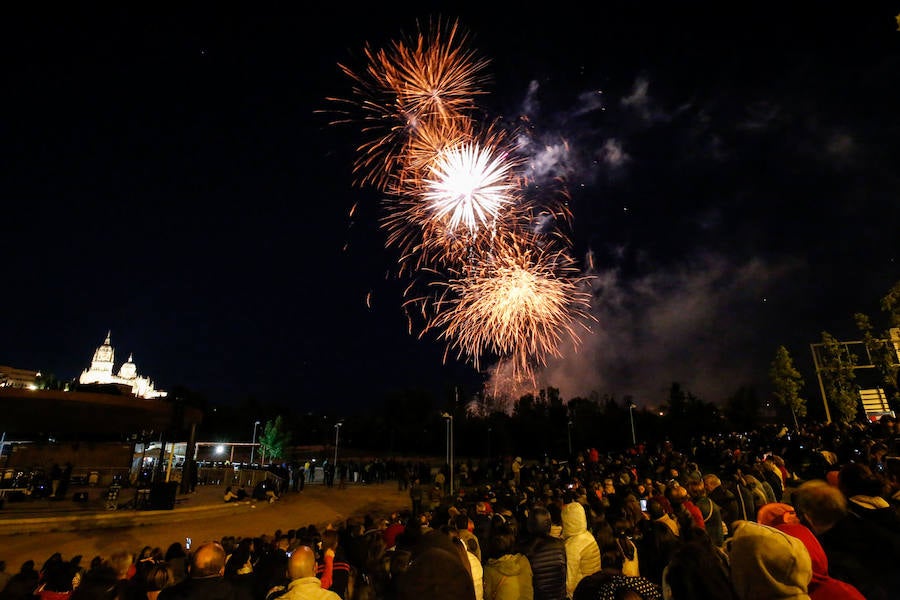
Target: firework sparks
point(469, 187)
point(519, 308)
point(433, 77)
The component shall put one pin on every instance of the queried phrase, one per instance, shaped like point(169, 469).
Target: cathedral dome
point(128, 370)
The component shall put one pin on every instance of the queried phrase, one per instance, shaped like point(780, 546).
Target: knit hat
point(822, 586)
point(768, 563)
point(776, 513)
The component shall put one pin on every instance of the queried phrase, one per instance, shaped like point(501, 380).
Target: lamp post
point(631, 407)
point(337, 437)
point(449, 419)
point(253, 443)
point(569, 430)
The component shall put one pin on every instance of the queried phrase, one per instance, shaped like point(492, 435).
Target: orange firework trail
point(431, 77)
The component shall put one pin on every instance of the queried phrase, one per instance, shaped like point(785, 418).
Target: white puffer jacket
point(582, 550)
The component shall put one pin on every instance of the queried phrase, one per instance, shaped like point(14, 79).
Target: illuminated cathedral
point(101, 371)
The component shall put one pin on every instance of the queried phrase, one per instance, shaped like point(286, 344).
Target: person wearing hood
point(582, 550)
point(507, 574)
point(768, 563)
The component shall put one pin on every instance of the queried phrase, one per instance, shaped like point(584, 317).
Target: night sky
point(168, 176)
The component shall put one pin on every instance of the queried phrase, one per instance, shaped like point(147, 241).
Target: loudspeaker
point(162, 496)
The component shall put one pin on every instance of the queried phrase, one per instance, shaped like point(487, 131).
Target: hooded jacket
point(508, 578)
point(582, 550)
point(768, 563)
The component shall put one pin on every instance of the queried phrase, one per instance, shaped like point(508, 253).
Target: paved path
point(200, 516)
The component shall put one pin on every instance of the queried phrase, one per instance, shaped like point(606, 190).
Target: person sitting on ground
point(230, 495)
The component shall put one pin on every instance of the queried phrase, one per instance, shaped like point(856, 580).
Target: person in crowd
point(768, 563)
point(822, 586)
point(709, 511)
point(582, 550)
point(304, 584)
point(205, 579)
point(859, 551)
point(507, 573)
point(4, 576)
point(684, 511)
point(459, 530)
point(547, 556)
point(612, 581)
point(177, 559)
point(724, 498)
point(865, 490)
point(157, 578)
point(332, 569)
point(434, 570)
point(239, 569)
point(698, 569)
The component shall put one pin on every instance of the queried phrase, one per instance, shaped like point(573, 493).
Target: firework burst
point(468, 186)
point(518, 307)
point(432, 77)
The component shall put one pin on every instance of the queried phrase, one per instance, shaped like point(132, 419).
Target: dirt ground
point(317, 505)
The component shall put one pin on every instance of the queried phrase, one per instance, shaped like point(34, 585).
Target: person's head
point(711, 481)
point(120, 560)
point(676, 494)
point(208, 560)
point(302, 563)
point(819, 505)
point(539, 521)
point(159, 576)
point(696, 488)
point(857, 479)
point(696, 570)
point(501, 540)
point(768, 563)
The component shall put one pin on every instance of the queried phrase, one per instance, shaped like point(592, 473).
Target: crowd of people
point(773, 513)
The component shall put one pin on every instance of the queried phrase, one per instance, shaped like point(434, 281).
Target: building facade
point(102, 371)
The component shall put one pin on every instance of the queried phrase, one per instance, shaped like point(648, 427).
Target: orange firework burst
point(519, 306)
point(430, 77)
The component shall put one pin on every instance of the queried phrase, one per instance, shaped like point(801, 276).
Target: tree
point(891, 305)
point(274, 438)
point(838, 375)
point(881, 352)
point(787, 382)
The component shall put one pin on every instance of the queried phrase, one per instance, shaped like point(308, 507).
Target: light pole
point(253, 443)
point(631, 407)
point(569, 430)
point(337, 437)
point(449, 419)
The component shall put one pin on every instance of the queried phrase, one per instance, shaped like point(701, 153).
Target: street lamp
point(569, 430)
point(449, 418)
point(253, 443)
point(631, 407)
point(337, 437)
